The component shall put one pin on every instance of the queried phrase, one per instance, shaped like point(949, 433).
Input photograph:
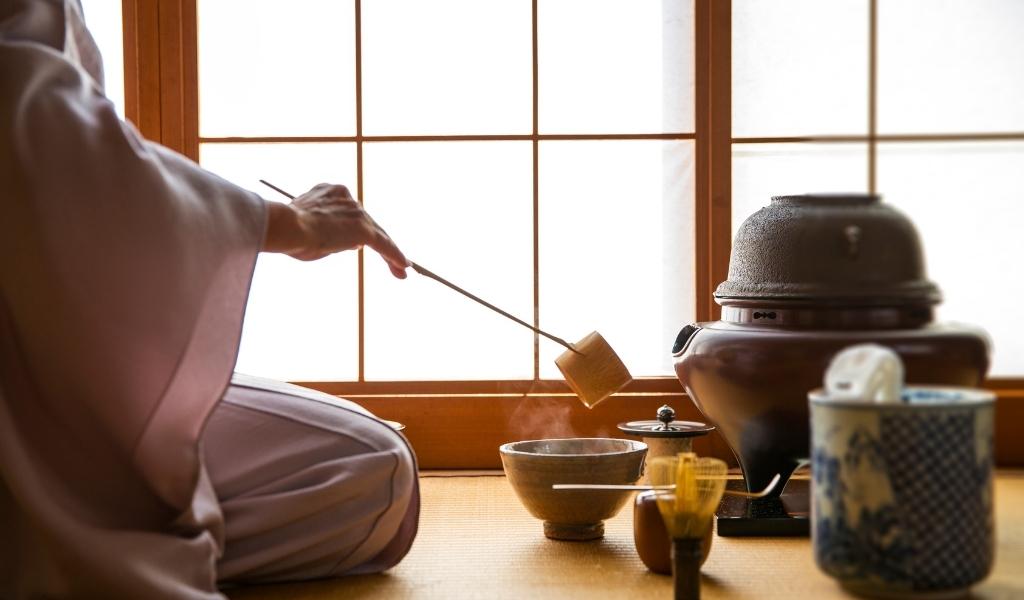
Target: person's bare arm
point(283, 232)
point(325, 220)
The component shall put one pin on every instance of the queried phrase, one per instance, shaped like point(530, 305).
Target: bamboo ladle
point(590, 366)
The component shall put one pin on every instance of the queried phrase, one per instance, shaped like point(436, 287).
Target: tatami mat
point(477, 542)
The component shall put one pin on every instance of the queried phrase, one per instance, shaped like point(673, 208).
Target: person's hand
point(325, 220)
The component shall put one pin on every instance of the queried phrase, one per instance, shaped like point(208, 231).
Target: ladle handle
point(277, 189)
point(438, 278)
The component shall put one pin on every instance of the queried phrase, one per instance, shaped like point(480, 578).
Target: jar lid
point(835, 249)
point(666, 426)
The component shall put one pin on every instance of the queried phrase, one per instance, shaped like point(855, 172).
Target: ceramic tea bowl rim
point(634, 446)
point(965, 397)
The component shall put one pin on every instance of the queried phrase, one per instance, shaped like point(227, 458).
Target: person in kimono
point(132, 463)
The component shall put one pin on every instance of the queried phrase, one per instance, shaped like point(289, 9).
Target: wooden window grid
point(459, 424)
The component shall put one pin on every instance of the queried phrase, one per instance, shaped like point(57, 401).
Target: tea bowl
point(533, 466)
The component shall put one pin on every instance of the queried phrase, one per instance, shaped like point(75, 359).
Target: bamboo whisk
point(687, 511)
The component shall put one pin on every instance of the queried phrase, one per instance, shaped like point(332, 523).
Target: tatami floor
point(476, 541)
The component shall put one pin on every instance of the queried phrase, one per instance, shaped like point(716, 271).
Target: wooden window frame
point(459, 424)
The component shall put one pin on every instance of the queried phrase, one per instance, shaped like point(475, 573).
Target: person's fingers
point(397, 263)
point(399, 273)
point(342, 224)
point(342, 191)
point(389, 251)
point(330, 189)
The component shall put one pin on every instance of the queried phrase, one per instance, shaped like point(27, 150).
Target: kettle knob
point(853, 235)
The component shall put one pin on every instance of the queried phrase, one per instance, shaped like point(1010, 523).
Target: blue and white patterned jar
point(901, 501)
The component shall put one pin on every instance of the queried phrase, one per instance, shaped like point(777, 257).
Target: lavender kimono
point(125, 270)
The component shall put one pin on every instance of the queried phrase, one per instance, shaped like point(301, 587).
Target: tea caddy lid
point(838, 249)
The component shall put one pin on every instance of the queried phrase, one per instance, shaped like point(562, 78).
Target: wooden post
point(713, 76)
point(161, 72)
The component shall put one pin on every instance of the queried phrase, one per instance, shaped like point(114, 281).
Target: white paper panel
point(103, 18)
point(616, 247)
point(800, 67)
point(301, 322)
point(966, 201)
point(446, 67)
point(465, 211)
point(273, 68)
point(951, 66)
point(610, 66)
point(760, 171)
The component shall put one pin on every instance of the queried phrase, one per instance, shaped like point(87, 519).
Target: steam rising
point(545, 417)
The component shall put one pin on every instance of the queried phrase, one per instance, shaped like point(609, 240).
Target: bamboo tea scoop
point(590, 366)
point(602, 486)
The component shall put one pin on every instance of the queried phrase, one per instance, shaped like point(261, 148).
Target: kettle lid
point(848, 249)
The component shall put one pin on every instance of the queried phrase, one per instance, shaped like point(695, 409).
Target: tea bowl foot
point(576, 532)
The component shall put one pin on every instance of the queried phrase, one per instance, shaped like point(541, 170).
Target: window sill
point(461, 424)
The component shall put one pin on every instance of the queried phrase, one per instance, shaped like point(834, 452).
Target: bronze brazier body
point(808, 276)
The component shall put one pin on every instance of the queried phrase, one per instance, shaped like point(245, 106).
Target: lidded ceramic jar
point(808, 276)
point(664, 435)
